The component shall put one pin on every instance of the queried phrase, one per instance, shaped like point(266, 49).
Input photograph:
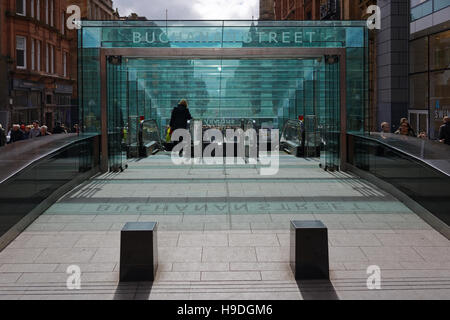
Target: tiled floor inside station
point(224, 234)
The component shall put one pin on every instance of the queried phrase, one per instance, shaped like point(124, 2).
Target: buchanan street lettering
point(230, 36)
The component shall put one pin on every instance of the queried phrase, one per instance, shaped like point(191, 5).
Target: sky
point(190, 9)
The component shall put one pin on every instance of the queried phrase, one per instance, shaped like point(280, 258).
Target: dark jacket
point(444, 133)
point(180, 117)
point(58, 130)
point(16, 135)
point(2, 137)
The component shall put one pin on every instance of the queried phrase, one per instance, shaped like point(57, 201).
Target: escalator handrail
point(417, 158)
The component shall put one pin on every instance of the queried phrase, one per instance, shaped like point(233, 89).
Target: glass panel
point(441, 4)
point(417, 167)
point(423, 123)
point(439, 100)
point(115, 116)
point(292, 133)
point(330, 120)
point(440, 51)
point(422, 10)
point(262, 90)
point(149, 132)
point(46, 164)
point(224, 34)
point(413, 121)
point(357, 90)
point(418, 55)
point(418, 91)
point(268, 91)
point(89, 73)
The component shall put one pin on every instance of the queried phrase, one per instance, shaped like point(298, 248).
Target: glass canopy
point(269, 89)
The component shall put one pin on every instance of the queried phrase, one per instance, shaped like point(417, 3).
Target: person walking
point(444, 131)
point(180, 116)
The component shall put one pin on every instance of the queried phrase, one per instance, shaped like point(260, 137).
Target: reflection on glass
point(439, 99)
point(418, 55)
point(418, 91)
point(440, 51)
point(419, 168)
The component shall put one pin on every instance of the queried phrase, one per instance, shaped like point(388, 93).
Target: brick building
point(38, 60)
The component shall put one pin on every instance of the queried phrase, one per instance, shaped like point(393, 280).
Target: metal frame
point(222, 53)
point(418, 113)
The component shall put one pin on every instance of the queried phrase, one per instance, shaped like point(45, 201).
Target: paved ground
point(224, 233)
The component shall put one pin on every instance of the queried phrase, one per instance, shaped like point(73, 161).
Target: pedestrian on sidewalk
point(444, 131)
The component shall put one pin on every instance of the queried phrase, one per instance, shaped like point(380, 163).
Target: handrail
point(434, 154)
point(42, 170)
point(18, 156)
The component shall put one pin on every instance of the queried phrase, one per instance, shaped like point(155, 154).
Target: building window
point(62, 23)
point(46, 11)
point(47, 54)
point(440, 4)
point(65, 64)
point(38, 10)
point(418, 91)
point(35, 99)
point(33, 54)
point(21, 52)
point(52, 59)
point(32, 8)
point(440, 51)
point(422, 10)
point(21, 7)
point(38, 57)
point(418, 61)
point(21, 98)
point(52, 13)
point(439, 98)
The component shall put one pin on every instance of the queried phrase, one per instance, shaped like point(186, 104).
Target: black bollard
point(138, 251)
point(309, 250)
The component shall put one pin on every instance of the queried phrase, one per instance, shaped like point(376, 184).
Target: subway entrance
point(288, 95)
point(305, 79)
